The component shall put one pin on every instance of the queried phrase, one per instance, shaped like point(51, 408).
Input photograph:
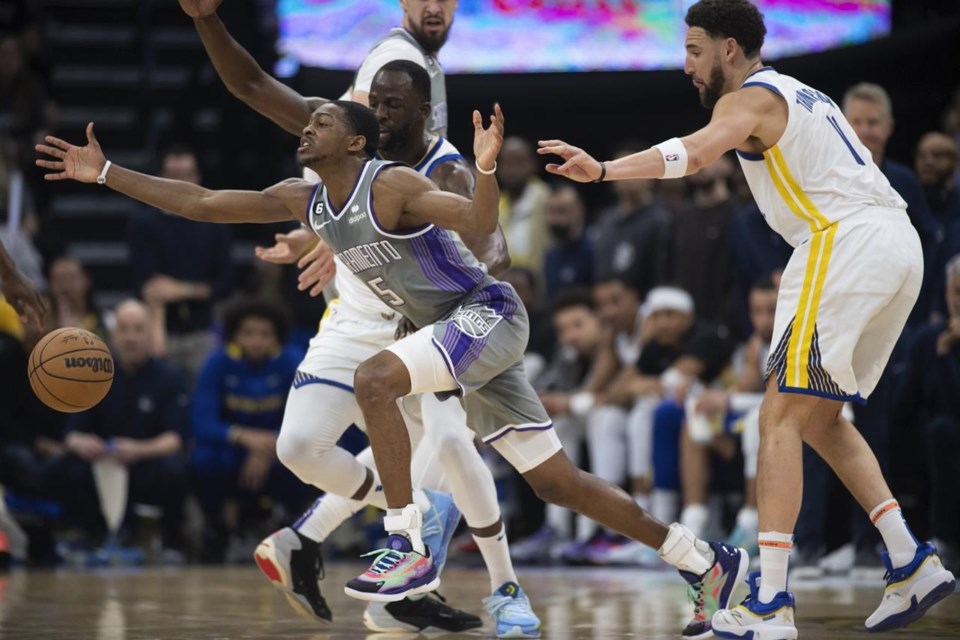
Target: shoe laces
point(386, 560)
point(695, 595)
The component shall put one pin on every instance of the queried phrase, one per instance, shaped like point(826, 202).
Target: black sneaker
point(292, 562)
point(429, 613)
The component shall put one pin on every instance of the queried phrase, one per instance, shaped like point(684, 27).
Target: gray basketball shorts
point(477, 354)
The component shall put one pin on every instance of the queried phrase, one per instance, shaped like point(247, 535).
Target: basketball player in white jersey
point(844, 298)
point(358, 325)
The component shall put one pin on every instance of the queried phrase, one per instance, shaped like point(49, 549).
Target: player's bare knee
point(376, 384)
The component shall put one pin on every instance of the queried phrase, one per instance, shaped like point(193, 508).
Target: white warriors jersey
point(818, 172)
point(356, 298)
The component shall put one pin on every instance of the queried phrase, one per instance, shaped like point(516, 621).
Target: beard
point(431, 42)
point(713, 89)
point(399, 139)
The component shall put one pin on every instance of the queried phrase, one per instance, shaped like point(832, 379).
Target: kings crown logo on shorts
point(95, 364)
point(476, 322)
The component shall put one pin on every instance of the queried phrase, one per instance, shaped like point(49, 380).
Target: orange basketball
point(70, 370)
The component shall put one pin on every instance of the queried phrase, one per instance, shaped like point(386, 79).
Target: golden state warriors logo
point(476, 322)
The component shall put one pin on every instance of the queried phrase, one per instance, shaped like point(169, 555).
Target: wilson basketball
point(70, 370)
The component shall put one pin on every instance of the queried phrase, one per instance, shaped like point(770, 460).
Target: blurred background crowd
point(651, 302)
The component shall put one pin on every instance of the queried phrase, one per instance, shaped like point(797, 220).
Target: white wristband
point(486, 173)
point(102, 178)
point(674, 158)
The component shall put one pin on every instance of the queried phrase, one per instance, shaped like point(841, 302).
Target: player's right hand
point(287, 247)
point(317, 269)
point(199, 8)
point(82, 164)
point(579, 165)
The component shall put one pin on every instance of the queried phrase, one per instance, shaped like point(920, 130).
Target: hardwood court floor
point(220, 603)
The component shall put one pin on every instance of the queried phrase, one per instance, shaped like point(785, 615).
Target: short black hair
point(244, 308)
point(362, 122)
point(737, 19)
point(419, 78)
point(571, 298)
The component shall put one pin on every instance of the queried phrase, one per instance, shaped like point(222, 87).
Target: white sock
point(694, 517)
point(901, 545)
point(643, 500)
point(326, 514)
point(664, 504)
point(775, 551)
point(496, 555)
point(683, 550)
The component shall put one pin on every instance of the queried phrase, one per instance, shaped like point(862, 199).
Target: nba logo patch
point(672, 157)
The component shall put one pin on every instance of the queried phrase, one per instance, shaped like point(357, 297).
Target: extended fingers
point(50, 151)
point(50, 164)
point(57, 142)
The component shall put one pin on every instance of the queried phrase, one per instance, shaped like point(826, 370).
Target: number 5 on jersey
point(389, 295)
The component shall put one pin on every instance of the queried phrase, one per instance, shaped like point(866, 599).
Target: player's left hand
point(487, 142)
point(579, 165)
point(20, 293)
point(82, 164)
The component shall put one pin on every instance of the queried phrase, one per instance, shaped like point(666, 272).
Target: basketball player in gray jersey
point(388, 224)
point(358, 325)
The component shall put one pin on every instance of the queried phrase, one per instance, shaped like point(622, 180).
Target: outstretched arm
point(243, 76)
point(417, 200)
point(85, 164)
point(490, 248)
point(736, 118)
point(19, 292)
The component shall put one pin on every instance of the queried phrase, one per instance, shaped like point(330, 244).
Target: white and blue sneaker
point(439, 525)
point(755, 620)
point(512, 612)
point(911, 590)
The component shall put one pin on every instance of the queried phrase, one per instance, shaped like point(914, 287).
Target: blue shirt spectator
point(237, 411)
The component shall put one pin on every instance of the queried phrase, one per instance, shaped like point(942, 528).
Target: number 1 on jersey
point(836, 127)
point(389, 295)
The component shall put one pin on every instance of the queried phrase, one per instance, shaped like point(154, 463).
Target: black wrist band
point(603, 172)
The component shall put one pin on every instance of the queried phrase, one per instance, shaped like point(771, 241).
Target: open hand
point(578, 166)
point(317, 269)
point(82, 164)
point(287, 247)
point(199, 8)
point(487, 142)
